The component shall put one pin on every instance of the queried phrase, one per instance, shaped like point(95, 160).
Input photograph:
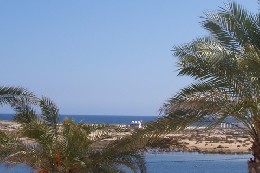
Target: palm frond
point(50, 111)
point(39, 131)
point(15, 95)
point(24, 113)
point(10, 147)
point(233, 26)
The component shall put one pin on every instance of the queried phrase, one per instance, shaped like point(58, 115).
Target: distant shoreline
point(97, 119)
point(218, 141)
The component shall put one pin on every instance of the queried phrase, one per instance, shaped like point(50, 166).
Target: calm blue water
point(182, 162)
point(174, 162)
point(185, 162)
point(16, 169)
point(97, 119)
point(108, 119)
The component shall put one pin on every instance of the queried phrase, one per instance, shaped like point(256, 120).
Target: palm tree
point(225, 68)
point(68, 147)
point(14, 96)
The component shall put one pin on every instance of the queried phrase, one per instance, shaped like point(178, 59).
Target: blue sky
point(99, 57)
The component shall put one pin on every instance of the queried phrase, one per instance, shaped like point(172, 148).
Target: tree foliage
point(225, 68)
point(66, 147)
point(16, 95)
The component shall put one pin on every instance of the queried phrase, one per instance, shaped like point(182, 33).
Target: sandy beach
point(199, 140)
point(213, 141)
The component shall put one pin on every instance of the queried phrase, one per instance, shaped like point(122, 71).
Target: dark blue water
point(108, 119)
point(97, 119)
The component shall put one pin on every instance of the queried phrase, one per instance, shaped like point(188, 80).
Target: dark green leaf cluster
point(16, 95)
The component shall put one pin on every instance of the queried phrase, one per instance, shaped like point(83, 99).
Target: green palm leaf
point(14, 95)
point(50, 112)
point(225, 69)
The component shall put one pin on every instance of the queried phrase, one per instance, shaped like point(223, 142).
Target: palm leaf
point(50, 111)
point(14, 95)
point(24, 114)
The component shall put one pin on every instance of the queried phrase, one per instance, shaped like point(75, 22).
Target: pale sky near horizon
point(99, 57)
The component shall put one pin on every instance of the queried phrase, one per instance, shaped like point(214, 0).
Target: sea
point(98, 119)
point(162, 162)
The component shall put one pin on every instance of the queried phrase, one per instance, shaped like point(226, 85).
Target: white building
point(136, 124)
